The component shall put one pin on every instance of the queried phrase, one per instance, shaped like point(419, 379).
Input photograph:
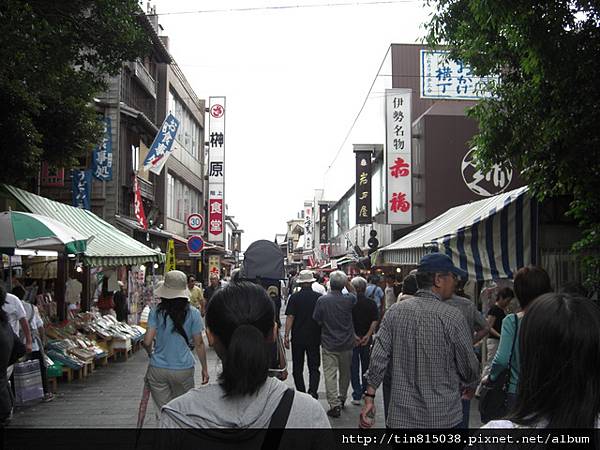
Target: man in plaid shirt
point(430, 351)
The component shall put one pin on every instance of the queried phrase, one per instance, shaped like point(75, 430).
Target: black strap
point(512, 351)
point(278, 421)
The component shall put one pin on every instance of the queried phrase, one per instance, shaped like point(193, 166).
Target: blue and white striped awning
point(490, 238)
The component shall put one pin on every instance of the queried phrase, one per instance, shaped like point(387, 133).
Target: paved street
point(110, 398)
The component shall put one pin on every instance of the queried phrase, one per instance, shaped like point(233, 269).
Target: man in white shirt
point(318, 287)
point(13, 307)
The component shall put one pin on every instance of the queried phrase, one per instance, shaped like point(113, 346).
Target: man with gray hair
point(431, 353)
point(365, 316)
point(334, 313)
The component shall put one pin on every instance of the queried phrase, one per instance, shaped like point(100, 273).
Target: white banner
point(398, 155)
point(445, 78)
point(216, 170)
point(308, 225)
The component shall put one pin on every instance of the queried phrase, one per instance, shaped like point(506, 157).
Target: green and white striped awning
point(109, 246)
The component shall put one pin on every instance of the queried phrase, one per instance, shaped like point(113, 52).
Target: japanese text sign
point(323, 223)
point(160, 150)
point(102, 157)
point(216, 170)
point(444, 78)
point(398, 162)
point(81, 188)
point(308, 225)
point(363, 187)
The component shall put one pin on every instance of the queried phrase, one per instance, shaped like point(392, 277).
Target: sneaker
point(334, 412)
point(48, 397)
point(356, 402)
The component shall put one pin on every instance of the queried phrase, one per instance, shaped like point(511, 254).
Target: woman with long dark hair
point(530, 282)
point(241, 327)
point(174, 326)
point(559, 385)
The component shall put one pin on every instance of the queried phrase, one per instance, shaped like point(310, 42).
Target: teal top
point(503, 353)
point(170, 349)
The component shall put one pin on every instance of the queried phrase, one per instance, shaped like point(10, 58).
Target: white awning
point(490, 238)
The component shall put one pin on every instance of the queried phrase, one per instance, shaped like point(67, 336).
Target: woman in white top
point(559, 386)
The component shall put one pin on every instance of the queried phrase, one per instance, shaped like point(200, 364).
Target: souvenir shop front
point(80, 295)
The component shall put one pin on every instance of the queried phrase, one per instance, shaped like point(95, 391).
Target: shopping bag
point(28, 382)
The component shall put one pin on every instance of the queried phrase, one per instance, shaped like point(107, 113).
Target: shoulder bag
point(493, 400)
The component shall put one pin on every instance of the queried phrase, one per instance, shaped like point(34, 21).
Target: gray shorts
point(167, 384)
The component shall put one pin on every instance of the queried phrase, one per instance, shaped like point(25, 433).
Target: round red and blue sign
point(195, 244)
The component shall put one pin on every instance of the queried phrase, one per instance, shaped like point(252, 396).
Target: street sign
point(195, 222)
point(195, 244)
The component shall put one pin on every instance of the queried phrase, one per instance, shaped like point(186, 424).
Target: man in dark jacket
point(306, 334)
point(121, 307)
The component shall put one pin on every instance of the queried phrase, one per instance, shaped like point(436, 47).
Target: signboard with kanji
point(216, 170)
point(444, 78)
point(161, 148)
point(308, 225)
point(170, 263)
point(214, 265)
point(398, 161)
point(81, 188)
point(323, 223)
point(363, 188)
point(102, 156)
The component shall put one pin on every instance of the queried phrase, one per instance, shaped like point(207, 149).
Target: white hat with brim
point(306, 276)
point(174, 286)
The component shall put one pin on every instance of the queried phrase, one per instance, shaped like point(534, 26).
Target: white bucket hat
point(306, 276)
point(174, 286)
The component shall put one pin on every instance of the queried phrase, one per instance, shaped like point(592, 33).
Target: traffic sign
point(195, 244)
point(195, 222)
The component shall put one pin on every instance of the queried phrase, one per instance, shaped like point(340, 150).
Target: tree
point(55, 57)
point(544, 117)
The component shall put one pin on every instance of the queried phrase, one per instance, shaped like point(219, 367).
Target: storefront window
point(188, 134)
point(182, 200)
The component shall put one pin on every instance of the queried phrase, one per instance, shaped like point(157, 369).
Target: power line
point(359, 113)
point(284, 7)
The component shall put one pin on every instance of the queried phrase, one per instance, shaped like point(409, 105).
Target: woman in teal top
point(172, 328)
point(530, 282)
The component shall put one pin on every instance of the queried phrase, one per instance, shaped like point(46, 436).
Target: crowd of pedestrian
point(420, 344)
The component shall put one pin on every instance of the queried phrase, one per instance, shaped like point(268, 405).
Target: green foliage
point(545, 116)
point(55, 57)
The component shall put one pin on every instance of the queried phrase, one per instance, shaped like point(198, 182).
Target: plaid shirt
point(429, 350)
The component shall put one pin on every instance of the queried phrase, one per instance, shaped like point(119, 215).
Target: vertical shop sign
point(102, 156)
point(398, 162)
point(138, 205)
point(170, 263)
point(161, 148)
point(323, 224)
point(216, 170)
point(81, 188)
point(308, 225)
point(363, 187)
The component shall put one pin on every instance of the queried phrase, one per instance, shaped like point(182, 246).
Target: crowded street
point(310, 225)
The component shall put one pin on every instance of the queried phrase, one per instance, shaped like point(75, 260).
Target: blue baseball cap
point(439, 263)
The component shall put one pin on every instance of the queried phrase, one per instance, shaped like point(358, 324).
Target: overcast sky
point(294, 79)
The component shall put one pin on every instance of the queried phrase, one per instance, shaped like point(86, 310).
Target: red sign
point(215, 216)
point(52, 176)
point(217, 111)
point(138, 206)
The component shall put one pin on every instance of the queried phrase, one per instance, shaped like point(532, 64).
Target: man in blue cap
point(429, 348)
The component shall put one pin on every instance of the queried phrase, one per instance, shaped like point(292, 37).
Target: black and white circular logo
point(485, 184)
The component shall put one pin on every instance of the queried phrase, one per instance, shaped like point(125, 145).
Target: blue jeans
point(360, 363)
point(466, 408)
